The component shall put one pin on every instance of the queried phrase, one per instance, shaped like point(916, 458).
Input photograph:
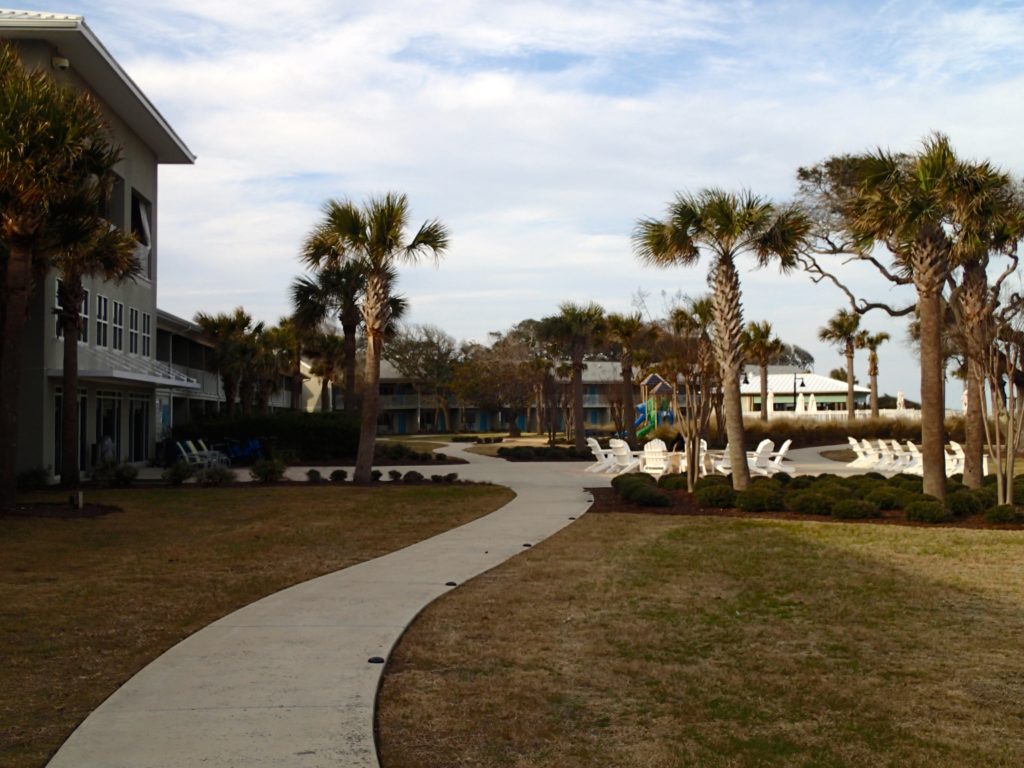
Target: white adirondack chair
point(624, 459)
point(914, 466)
point(901, 458)
point(758, 460)
point(655, 459)
point(603, 457)
point(862, 459)
point(872, 458)
point(775, 460)
point(955, 464)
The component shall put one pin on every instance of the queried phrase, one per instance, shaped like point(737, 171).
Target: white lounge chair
point(775, 460)
point(603, 457)
point(207, 457)
point(655, 458)
point(863, 459)
point(624, 460)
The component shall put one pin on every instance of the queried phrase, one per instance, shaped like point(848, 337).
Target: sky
point(540, 132)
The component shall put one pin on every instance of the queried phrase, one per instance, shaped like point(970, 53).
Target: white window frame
point(147, 334)
point(102, 320)
point(117, 333)
point(133, 331)
point(83, 337)
point(57, 307)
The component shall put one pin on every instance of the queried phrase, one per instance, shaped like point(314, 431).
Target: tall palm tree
point(841, 330)
point(228, 334)
point(575, 329)
point(761, 346)
point(86, 246)
point(725, 225)
point(871, 342)
point(47, 135)
point(328, 353)
point(931, 210)
point(374, 234)
point(630, 332)
point(334, 289)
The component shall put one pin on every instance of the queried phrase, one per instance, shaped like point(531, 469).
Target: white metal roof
point(782, 384)
point(73, 39)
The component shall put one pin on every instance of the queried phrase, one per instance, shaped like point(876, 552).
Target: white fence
point(883, 413)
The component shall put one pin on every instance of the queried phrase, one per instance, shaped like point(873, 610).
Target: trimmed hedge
point(759, 498)
point(854, 509)
point(963, 503)
point(1002, 514)
point(929, 511)
point(809, 503)
point(715, 496)
point(310, 436)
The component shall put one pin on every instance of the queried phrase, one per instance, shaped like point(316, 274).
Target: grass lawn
point(650, 641)
point(85, 603)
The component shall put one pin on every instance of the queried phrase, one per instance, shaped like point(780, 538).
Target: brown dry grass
point(649, 641)
point(84, 603)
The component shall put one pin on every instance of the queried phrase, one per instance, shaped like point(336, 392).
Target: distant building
point(786, 386)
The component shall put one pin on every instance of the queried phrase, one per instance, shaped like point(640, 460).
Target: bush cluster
point(929, 510)
point(402, 452)
point(178, 472)
point(640, 488)
point(314, 436)
point(714, 495)
point(1004, 513)
point(33, 479)
point(267, 470)
point(339, 476)
point(215, 475)
point(111, 474)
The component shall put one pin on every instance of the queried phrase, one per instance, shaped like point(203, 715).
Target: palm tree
point(871, 342)
point(87, 246)
point(630, 332)
point(725, 225)
point(328, 353)
point(229, 356)
point(48, 134)
point(841, 330)
point(761, 346)
point(575, 329)
point(932, 211)
point(336, 288)
point(374, 234)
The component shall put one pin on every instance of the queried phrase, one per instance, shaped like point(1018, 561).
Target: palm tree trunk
point(764, 391)
point(849, 382)
point(873, 385)
point(325, 393)
point(728, 318)
point(349, 345)
point(974, 429)
point(18, 288)
point(627, 397)
point(70, 319)
point(371, 398)
point(933, 455)
point(579, 432)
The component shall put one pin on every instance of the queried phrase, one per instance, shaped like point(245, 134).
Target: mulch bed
point(607, 501)
point(51, 509)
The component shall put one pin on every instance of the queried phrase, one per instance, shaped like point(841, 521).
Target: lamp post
point(802, 386)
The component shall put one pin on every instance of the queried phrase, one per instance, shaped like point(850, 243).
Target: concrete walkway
point(286, 681)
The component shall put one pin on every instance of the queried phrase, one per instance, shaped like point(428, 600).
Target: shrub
point(854, 509)
point(987, 496)
point(215, 475)
point(178, 472)
point(907, 482)
point(629, 478)
point(314, 476)
point(442, 456)
point(715, 495)
point(33, 479)
point(963, 503)
point(648, 496)
point(394, 475)
point(928, 512)
point(887, 497)
point(759, 498)
point(673, 482)
point(451, 477)
point(111, 474)
point(1003, 514)
point(412, 476)
point(375, 475)
point(809, 503)
point(425, 456)
point(267, 470)
point(315, 436)
point(801, 482)
point(437, 478)
point(339, 476)
point(504, 451)
point(708, 480)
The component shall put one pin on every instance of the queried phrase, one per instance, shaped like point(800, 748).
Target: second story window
point(133, 330)
point(142, 232)
point(58, 307)
point(146, 334)
point(117, 335)
point(102, 320)
point(84, 337)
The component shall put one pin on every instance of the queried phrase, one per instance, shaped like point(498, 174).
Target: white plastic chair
point(955, 464)
point(775, 460)
point(603, 457)
point(863, 459)
point(623, 459)
point(758, 460)
point(914, 466)
point(655, 459)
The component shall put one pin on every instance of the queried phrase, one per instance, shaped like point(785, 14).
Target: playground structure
point(656, 408)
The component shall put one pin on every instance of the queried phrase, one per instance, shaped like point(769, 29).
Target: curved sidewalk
point(286, 680)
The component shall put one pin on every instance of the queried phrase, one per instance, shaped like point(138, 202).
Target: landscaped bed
point(86, 602)
point(641, 640)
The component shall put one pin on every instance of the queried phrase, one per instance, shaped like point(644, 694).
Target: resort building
point(119, 374)
point(791, 390)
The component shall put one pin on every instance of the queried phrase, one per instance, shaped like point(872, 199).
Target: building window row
point(109, 323)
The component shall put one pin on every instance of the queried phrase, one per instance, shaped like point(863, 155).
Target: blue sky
point(540, 132)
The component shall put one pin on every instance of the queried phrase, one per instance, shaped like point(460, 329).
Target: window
point(146, 334)
point(57, 307)
point(102, 318)
point(133, 330)
point(114, 209)
point(84, 337)
point(117, 336)
point(138, 427)
point(108, 426)
point(142, 231)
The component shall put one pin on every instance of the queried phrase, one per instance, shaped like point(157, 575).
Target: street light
point(802, 386)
